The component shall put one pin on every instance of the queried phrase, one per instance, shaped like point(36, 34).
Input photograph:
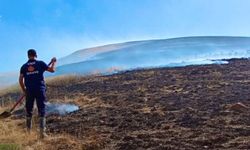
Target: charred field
point(164, 108)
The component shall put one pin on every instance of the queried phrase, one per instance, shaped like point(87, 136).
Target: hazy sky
point(60, 27)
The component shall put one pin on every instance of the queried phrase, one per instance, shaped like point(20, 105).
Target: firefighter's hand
point(53, 60)
point(24, 92)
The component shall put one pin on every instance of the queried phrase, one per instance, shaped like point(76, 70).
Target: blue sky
point(60, 27)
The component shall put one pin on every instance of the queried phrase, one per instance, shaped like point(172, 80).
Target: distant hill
point(150, 53)
point(154, 53)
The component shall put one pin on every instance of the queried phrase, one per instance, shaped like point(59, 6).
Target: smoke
point(60, 109)
point(51, 109)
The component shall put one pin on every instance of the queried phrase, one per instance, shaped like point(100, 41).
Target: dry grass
point(63, 80)
point(54, 81)
point(14, 136)
point(13, 133)
point(12, 89)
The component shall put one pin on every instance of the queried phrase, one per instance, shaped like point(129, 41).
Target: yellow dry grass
point(55, 81)
point(63, 80)
point(10, 89)
point(13, 136)
point(13, 132)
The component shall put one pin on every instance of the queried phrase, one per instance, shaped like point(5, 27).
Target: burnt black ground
point(164, 108)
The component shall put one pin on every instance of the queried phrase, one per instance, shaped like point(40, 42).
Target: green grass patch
point(10, 147)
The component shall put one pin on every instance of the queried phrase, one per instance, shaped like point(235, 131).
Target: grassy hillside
point(165, 108)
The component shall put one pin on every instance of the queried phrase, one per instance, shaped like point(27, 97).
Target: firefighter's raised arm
point(51, 66)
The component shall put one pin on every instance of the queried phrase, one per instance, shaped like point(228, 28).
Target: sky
point(60, 27)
